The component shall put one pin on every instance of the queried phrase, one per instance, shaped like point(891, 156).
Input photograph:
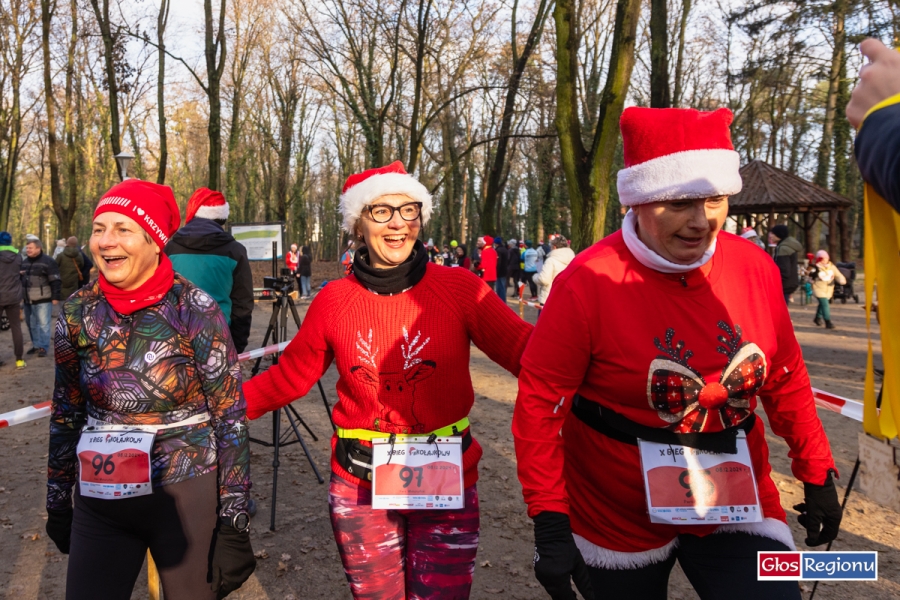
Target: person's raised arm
point(303, 362)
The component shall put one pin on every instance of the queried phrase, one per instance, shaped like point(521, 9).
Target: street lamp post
point(123, 160)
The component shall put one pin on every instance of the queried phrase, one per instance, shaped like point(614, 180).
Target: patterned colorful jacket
point(160, 365)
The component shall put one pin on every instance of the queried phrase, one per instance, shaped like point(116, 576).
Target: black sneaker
point(829, 325)
point(817, 321)
point(32, 351)
point(41, 353)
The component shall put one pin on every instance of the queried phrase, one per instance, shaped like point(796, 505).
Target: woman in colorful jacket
point(637, 442)
point(399, 328)
point(147, 430)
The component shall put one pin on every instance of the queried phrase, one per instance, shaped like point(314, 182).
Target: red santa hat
point(361, 189)
point(150, 205)
point(207, 204)
point(677, 154)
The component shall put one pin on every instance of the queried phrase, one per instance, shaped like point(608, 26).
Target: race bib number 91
point(114, 462)
point(413, 474)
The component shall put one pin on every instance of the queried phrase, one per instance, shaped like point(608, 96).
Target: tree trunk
point(679, 61)
point(587, 172)
point(102, 14)
point(65, 220)
point(659, 54)
point(215, 64)
point(72, 152)
point(834, 80)
point(493, 196)
point(415, 136)
point(161, 21)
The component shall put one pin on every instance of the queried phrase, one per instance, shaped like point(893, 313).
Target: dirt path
point(302, 558)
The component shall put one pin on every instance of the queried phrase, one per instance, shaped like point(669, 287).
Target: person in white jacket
point(559, 258)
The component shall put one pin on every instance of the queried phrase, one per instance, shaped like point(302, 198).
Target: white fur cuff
point(679, 176)
point(365, 192)
point(603, 558)
point(213, 212)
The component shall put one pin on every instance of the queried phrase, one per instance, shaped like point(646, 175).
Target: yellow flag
point(882, 265)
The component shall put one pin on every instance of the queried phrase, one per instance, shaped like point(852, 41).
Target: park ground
point(300, 560)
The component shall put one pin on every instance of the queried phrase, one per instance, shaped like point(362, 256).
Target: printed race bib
point(114, 461)
point(413, 474)
point(687, 486)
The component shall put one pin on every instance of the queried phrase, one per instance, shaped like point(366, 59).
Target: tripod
point(277, 330)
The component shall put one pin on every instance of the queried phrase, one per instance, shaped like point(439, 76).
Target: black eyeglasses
point(382, 213)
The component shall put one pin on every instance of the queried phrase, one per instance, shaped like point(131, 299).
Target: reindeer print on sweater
point(396, 385)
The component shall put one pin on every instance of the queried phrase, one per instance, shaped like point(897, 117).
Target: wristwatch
point(241, 522)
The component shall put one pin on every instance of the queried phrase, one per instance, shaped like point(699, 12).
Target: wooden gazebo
point(769, 192)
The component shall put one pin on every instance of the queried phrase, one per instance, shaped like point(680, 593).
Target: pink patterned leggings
point(403, 554)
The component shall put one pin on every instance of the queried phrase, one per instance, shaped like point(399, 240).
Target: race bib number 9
point(114, 462)
point(413, 474)
point(687, 486)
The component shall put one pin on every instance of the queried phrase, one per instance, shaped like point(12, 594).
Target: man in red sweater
point(639, 434)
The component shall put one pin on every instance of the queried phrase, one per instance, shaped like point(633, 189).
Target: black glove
point(820, 510)
point(231, 560)
point(59, 528)
point(557, 560)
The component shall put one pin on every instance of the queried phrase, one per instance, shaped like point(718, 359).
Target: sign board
point(257, 238)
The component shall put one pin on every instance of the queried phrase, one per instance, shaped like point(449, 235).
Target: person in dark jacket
point(304, 271)
point(71, 268)
point(87, 268)
point(40, 277)
point(11, 293)
point(787, 253)
point(210, 258)
point(502, 267)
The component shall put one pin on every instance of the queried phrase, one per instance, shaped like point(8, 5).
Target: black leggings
point(721, 566)
point(15, 327)
point(110, 539)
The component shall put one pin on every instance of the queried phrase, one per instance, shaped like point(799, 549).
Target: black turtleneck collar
point(396, 279)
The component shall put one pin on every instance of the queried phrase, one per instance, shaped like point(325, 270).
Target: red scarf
point(149, 293)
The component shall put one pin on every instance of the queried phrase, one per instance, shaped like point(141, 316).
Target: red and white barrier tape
point(843, 406)
point(260, 352)
point(23, 415)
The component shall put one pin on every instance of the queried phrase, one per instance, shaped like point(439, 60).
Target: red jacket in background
point(489, 263)
point(291, 259)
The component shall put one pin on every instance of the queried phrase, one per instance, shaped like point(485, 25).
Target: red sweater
point(489, 263)
point(650, 346)
point(403, 360)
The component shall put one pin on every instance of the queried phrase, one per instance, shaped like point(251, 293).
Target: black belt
point(356, 458)
point(615, 426)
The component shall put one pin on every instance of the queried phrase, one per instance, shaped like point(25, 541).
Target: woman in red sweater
point(640, 437)
point(399, 329)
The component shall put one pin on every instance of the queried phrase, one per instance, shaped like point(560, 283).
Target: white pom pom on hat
point(676, 154)
point(361, 189)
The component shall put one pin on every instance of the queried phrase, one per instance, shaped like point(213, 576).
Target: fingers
point(871, 48)
point(582, 578)
point(830, 529)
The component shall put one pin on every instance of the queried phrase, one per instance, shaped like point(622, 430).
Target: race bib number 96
point(114, 462)
point(413, 474)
